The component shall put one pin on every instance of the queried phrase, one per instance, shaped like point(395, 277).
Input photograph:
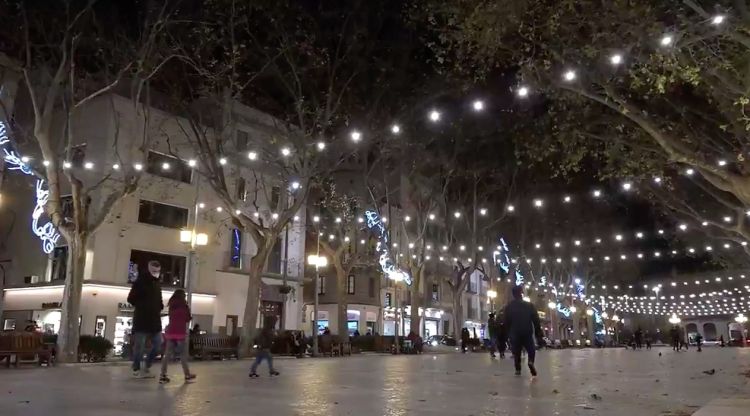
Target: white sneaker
point(136, 374)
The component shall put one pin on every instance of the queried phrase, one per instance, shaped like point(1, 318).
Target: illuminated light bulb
point(717, 20)
point(361, 241)
point(661, 231)
point(627, 186)
point(237, 212)
point(395, 129)
point(137, 166)
point(356, 136)
point(462, 248)
point(432, 217)
point(683, 227)
point(691, 250)
point(360, 220)
point(219, 209)
point(201, 205)
point(252, 155)
point(577, 242)
point(657, 254)
point(256, 214)
point(569, 75)
point(25, 159)
point(606, 258)
point(559, 260)
point(411, 245)
point(445, 248)
point(192, 163)
point(538, 246)
point(483, 211)
point(640, 255)
point(615, 59)
point(88, 165)
point(434, 116)
point(704, 223)
point(709, 248)
point(657, 179)
point(295, 185)
point(639, 235)
point(689, 171)
point(165, 166)
point(727, 219)
point(478, 105)
point(223, 161)
point(566, 199)
point(597, 193)
point(726, 245)
point(575, 259)
point(511, 208)
point(538, 203)
point(116, 166)
point(385, 219)
point(407, 218)
point(557, 244)
point(666, 40)
point(722, 162)
point(457, 214)
point(321, 146)
point(618, 237)
point(523, 92)
point(285, 151)
point(316, 219)
point(45, 163)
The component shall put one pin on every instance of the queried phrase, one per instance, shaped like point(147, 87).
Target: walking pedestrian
point(145, 296)
point(174, 335)
point(491, 334)
point(501, 335)
point(674, 333)
point(264, 341)
point(647, 338)
point(464, 339)
point(522, 324)
point(639, 338)
point(699, 341)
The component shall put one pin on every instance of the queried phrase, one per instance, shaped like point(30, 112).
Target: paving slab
point(611, 382)
point(725, 407)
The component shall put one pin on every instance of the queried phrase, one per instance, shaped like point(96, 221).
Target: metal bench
point(210, 346)
point(25, 346)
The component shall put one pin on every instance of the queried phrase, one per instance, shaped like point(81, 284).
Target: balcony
point(274, 267)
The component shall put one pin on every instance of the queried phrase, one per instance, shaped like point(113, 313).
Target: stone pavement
point(610, 382)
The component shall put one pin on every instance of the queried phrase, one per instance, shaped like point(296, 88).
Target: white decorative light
point(566, 199)
point(457, 214)
point(483, 211)
point(639, 235)
point(137, 166)
point(237, 212)
point(511, 208)
point(356, 136)
point(615, 59)
point(295, 185)
point(727, 219)
point(538, 203)
point(165, 166)
point(434, 115)
point(201, 205)
point(597, 193)
point(285, 151)
point(722, 162)
point(321, 146)
point(275, 216)
point(88, 165)
point(627, 186)
point(657, 179)
point(689, 171)
point(683, 227)
point(252, 155)
point(618, 237)
point(116, 166)
point(432, 217)
point(666, 40)
point(478, 105)
point(223, 161)
point(219, 209)
point(395, 129)
point(523, 92)
point(717, 20)
point(569, 75)
point(316, 219)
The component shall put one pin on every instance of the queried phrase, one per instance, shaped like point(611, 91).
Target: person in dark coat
point(501, 336)
point(674, 334)
point(264, 341)
point(522, 323)
point(491, 335)
point(145, 296)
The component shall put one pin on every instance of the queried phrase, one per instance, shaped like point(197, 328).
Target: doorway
point(231, 323)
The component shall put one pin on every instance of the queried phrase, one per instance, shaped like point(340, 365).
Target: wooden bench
point(209, 346)
point(17, 346)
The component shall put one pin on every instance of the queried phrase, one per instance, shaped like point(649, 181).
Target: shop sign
point(51, 305)
point(125, 307)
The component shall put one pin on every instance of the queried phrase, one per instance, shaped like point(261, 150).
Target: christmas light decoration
point(389, 268)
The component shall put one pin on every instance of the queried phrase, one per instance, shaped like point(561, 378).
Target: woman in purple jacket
point(175, 334)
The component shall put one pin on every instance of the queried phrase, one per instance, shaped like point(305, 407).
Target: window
point(274, 258)
point(235, 250)
point(172, 267)
point(77, 155)
point(242, 140)
point(168, 167)
point(350, 284)
point(275, 195)
point(371, 287)
point(322, 285)
point(435, 292)
point(59, 263)
point(241, 190)
point(388, 299)
point(154, 213)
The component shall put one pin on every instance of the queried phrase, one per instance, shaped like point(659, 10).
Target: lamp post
point(492, 294)
point(318, 261)
point(552, 320)
point(193, 240)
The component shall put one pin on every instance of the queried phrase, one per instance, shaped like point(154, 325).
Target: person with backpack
point(175, 334)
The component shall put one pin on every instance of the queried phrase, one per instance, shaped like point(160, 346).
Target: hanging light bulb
point(523, 92)
point(434, 116)
point(615, 59)
point(569, 75)
point(666, 40)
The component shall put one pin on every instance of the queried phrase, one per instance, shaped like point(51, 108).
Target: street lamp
point(589, 312)
point(192, 240)
point(319, 262)
point(491, 294)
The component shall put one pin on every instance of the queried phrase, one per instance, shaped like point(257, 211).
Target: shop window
point(169, 216)
point(168, 167)
point(350, 284)
point(275, 195)
point(78, 155)
point(235, 252)
point(172, 267)
point(59, 263)
point(322, 285)
point(388, 299)
point(352, 326)
point(9, 325)
point(242, 139)
point(66, 203)
point(371, 287)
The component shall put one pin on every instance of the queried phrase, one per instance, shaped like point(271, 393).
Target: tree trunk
point(416, 303)
point(458, 314)
point(67, 339)
point(341, 291)
point(252, 302)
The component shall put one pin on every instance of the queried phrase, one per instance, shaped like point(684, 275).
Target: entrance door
point(232, 325)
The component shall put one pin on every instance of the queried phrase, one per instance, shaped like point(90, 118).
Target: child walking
point(264, 341)
point(175, 334)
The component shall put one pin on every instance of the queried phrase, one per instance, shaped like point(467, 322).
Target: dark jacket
point(264, 340)
point(145, 296)
point(522, 320)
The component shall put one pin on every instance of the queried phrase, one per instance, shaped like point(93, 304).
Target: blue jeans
point(139, 344)
point(262, 354)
